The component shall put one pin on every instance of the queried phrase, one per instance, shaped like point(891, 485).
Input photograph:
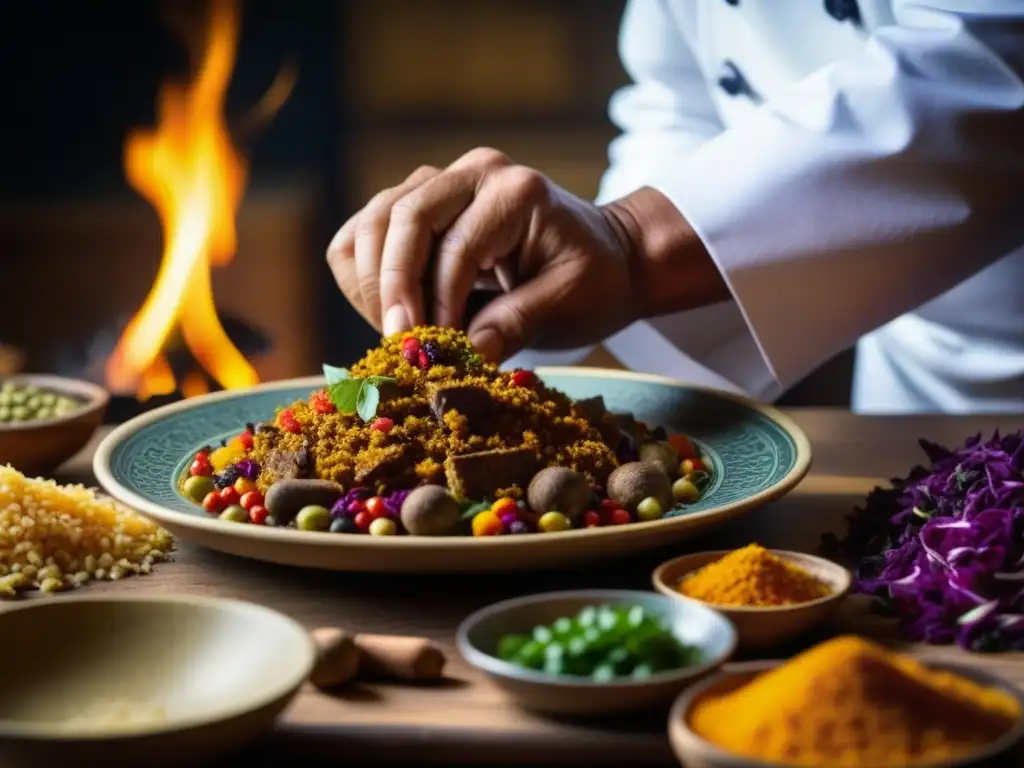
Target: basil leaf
point(378, 380)
point(345, 394)
point(367, 401)
point(335, 375)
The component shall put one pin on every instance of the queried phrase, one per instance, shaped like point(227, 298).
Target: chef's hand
point(582, 271)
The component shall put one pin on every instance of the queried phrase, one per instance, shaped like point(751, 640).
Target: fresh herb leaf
point(367, 400)
point(378, 380)
point(334, 374)
point(345, 394)
point(474, 509)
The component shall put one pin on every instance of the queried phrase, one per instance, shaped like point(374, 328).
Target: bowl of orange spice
point(848, 702)
point(769, 595)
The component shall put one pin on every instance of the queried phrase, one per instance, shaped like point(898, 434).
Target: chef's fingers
point(489, 230)
point(510, 322)
point(416, 220)
point(369, 232)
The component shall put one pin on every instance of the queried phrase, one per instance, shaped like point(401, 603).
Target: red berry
point(383, 424)
point(411, 349)
point(321, 402)
point(201, 466)
point(422, 360)
point(375, 507)
point(591, 519)
point(258, 514)
point(608, 505)
point(620, 517)
point(363, 520)
point(213, 503)
point(523, 378)
point(229, 496)
point(246, 440)
point(251, 499)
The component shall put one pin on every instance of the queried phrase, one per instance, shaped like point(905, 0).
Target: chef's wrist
point(670, 268)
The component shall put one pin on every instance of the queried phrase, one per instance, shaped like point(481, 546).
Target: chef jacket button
point(732, 80)
point(843, 10)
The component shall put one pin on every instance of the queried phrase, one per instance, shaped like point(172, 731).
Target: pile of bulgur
point(55, 537)
point(527, 416)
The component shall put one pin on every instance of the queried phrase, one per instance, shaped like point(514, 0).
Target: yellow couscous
point(55, 537)
point(424, 411)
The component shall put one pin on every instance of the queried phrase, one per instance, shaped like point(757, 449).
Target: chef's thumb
point(512, 320)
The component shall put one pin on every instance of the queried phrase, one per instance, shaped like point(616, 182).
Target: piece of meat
point(283, 464)
point(384, 465)
point(478, 475)
point(475, 403)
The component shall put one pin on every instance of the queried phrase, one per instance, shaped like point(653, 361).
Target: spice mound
point(55, 537)
point(753, 577)
point(849, 702)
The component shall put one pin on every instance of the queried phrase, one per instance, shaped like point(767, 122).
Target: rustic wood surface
point(466, 720)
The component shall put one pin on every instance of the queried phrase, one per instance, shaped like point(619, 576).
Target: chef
point(792, 177)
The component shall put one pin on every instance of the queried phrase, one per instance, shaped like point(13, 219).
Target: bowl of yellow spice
point(769, 595)
point(848, 702)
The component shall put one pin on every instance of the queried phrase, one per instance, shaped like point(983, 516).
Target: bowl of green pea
point(45, 420)
point(595, 652)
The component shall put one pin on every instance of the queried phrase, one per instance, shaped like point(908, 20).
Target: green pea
point(562, 626)
point(197, 486)
point(313, 517)
point(18, 397)
point(5, 398)
point(685, 491)
point(48, 398)
point(5, 413)
point(19, 413)
point(510, 646)
point(542, 634)
point(235, 514)
point(33, 403)
point(44, 413)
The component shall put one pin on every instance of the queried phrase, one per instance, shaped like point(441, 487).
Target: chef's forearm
point(670, 269)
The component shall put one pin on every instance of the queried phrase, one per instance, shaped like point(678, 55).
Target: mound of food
point(421, 436)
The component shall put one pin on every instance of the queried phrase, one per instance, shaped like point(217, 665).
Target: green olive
point(685, 491)
point(235, 514)
point(19, 413)
point(649, 509)
point(5, 413)
point(48, 398)
point(197, 486)
point(45, 413)
point(313, 518)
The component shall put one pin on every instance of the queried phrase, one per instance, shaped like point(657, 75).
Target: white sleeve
point(873, 185)
point(665, 113)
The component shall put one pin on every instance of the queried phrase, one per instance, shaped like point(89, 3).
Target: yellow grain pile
point(55, 537)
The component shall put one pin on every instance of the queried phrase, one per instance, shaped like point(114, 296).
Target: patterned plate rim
point(172, 518)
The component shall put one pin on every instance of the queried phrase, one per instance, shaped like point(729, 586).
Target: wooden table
point(469, 721)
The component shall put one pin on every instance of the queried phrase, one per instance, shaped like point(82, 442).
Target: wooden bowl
point(694, 752)
point(693, 623)
point(38, 446)
point(764, 627)
point(221, 670)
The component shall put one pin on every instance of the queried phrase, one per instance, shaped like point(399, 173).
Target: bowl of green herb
point(595, 652)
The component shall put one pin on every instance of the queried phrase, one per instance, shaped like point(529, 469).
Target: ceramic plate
point(757, 454)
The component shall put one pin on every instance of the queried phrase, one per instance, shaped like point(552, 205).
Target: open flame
point(188, 168)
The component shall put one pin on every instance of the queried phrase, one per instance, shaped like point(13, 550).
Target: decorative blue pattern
point(747, 450)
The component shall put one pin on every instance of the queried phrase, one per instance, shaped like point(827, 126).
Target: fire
point(188, 168)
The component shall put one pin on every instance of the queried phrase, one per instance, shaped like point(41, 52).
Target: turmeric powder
point(753, 576)
point(850, 702)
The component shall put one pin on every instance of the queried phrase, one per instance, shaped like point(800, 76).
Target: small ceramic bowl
point(759, 628)
point(694, 752)
point(40, 445)
point(692, 623)
point(200, 677)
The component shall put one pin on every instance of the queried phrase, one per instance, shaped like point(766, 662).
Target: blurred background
point(380, 88)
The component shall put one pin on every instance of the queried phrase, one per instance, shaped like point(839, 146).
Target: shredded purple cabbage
point(943, 549)
point(394, 501)
point(341, 506)
point(248, 468)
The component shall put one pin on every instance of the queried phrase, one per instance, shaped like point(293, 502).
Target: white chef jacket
point(856, 170)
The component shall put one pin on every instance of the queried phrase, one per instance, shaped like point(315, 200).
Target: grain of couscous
point(55, 537)
point(424, 410)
